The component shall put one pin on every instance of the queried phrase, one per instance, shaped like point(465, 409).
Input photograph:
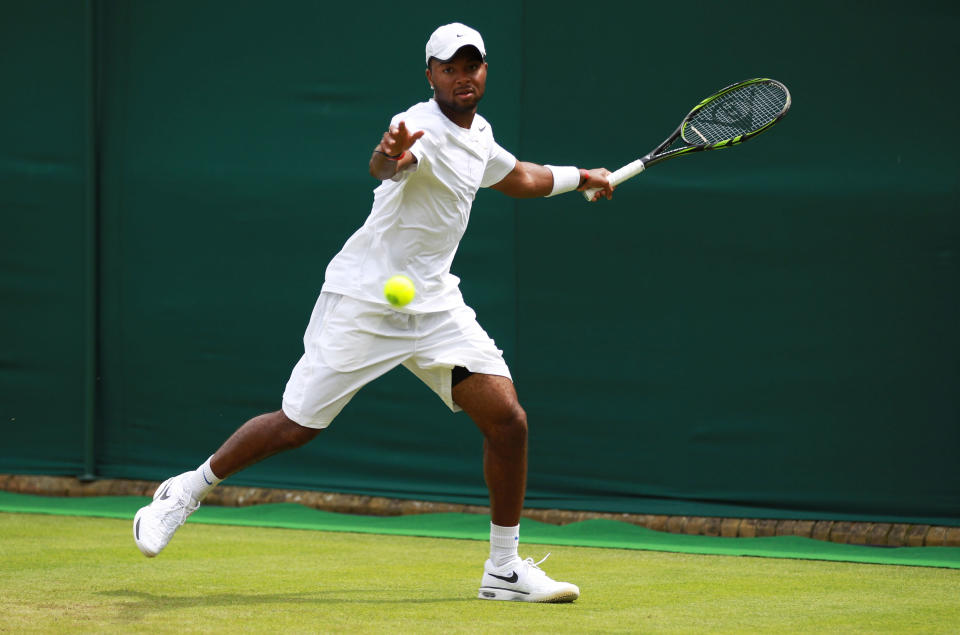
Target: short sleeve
point(499, 165)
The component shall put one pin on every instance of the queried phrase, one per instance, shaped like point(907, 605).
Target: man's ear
point(430, 79)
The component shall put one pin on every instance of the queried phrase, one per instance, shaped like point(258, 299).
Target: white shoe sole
point(495, 593)
point(136, 527)
point(136, 522)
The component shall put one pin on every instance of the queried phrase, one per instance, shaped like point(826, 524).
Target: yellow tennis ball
point(399, 290)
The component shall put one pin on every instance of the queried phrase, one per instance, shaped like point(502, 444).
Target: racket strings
point(739, 112)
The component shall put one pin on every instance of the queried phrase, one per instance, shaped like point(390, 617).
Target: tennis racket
point(729, 117)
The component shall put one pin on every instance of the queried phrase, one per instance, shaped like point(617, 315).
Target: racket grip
point(628, 171)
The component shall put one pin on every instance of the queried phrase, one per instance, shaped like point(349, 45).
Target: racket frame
point(657, 155)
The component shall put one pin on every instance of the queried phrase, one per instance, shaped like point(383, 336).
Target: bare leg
point(491, 401)
point(257, 439)
point(154, 525)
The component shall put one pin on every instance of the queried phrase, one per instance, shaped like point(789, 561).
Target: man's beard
point(460, 107)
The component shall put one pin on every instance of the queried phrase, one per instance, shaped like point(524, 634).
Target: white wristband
point(565, 179)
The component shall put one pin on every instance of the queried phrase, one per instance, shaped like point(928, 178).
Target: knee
point(509, 426)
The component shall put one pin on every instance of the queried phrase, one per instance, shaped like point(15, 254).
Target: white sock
point(503, 544)
point(201, 481)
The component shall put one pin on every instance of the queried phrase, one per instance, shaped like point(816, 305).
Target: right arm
point(529, 180)
point(392, 154)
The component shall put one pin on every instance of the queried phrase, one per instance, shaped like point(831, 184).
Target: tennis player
point(432, 160)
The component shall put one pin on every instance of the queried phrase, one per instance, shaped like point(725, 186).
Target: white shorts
point(349, 343)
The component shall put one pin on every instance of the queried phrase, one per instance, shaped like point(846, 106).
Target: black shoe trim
point(136, 529)
point(508, 579)
point(500, 588)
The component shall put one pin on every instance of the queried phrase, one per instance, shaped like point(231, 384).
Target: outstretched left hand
point(398, 139)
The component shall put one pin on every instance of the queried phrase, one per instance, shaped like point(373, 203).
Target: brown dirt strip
point(855, 533)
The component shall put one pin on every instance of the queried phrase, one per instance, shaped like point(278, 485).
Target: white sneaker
point(154, 525)
point(524, 581)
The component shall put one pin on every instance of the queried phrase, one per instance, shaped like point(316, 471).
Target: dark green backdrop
point(771, 331)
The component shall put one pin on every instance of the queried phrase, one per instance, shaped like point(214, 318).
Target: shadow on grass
point(137, 604)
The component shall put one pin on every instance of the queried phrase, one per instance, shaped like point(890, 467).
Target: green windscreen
point(767, 331)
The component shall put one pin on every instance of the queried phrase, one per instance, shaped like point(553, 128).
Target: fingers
point(398, 132)
point(599, 178)
point(403, 135)
point(398, 138)
point(388, 144)
point(608, 187)
point(393, 139)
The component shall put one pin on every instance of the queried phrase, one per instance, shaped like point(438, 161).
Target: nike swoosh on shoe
point(511, 579)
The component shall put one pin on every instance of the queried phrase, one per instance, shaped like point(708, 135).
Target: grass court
point(64, 574)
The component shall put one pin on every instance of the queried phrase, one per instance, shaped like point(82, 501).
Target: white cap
point(450, 38)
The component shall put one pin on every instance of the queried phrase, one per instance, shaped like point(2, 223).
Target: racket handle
point(628, 171)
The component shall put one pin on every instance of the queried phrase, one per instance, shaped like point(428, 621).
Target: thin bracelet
point(392, 157)
point(584, 177)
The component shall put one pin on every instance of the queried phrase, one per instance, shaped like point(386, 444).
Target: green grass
point(66, 574)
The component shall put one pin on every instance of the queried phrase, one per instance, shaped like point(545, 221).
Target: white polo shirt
point(419, 217)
